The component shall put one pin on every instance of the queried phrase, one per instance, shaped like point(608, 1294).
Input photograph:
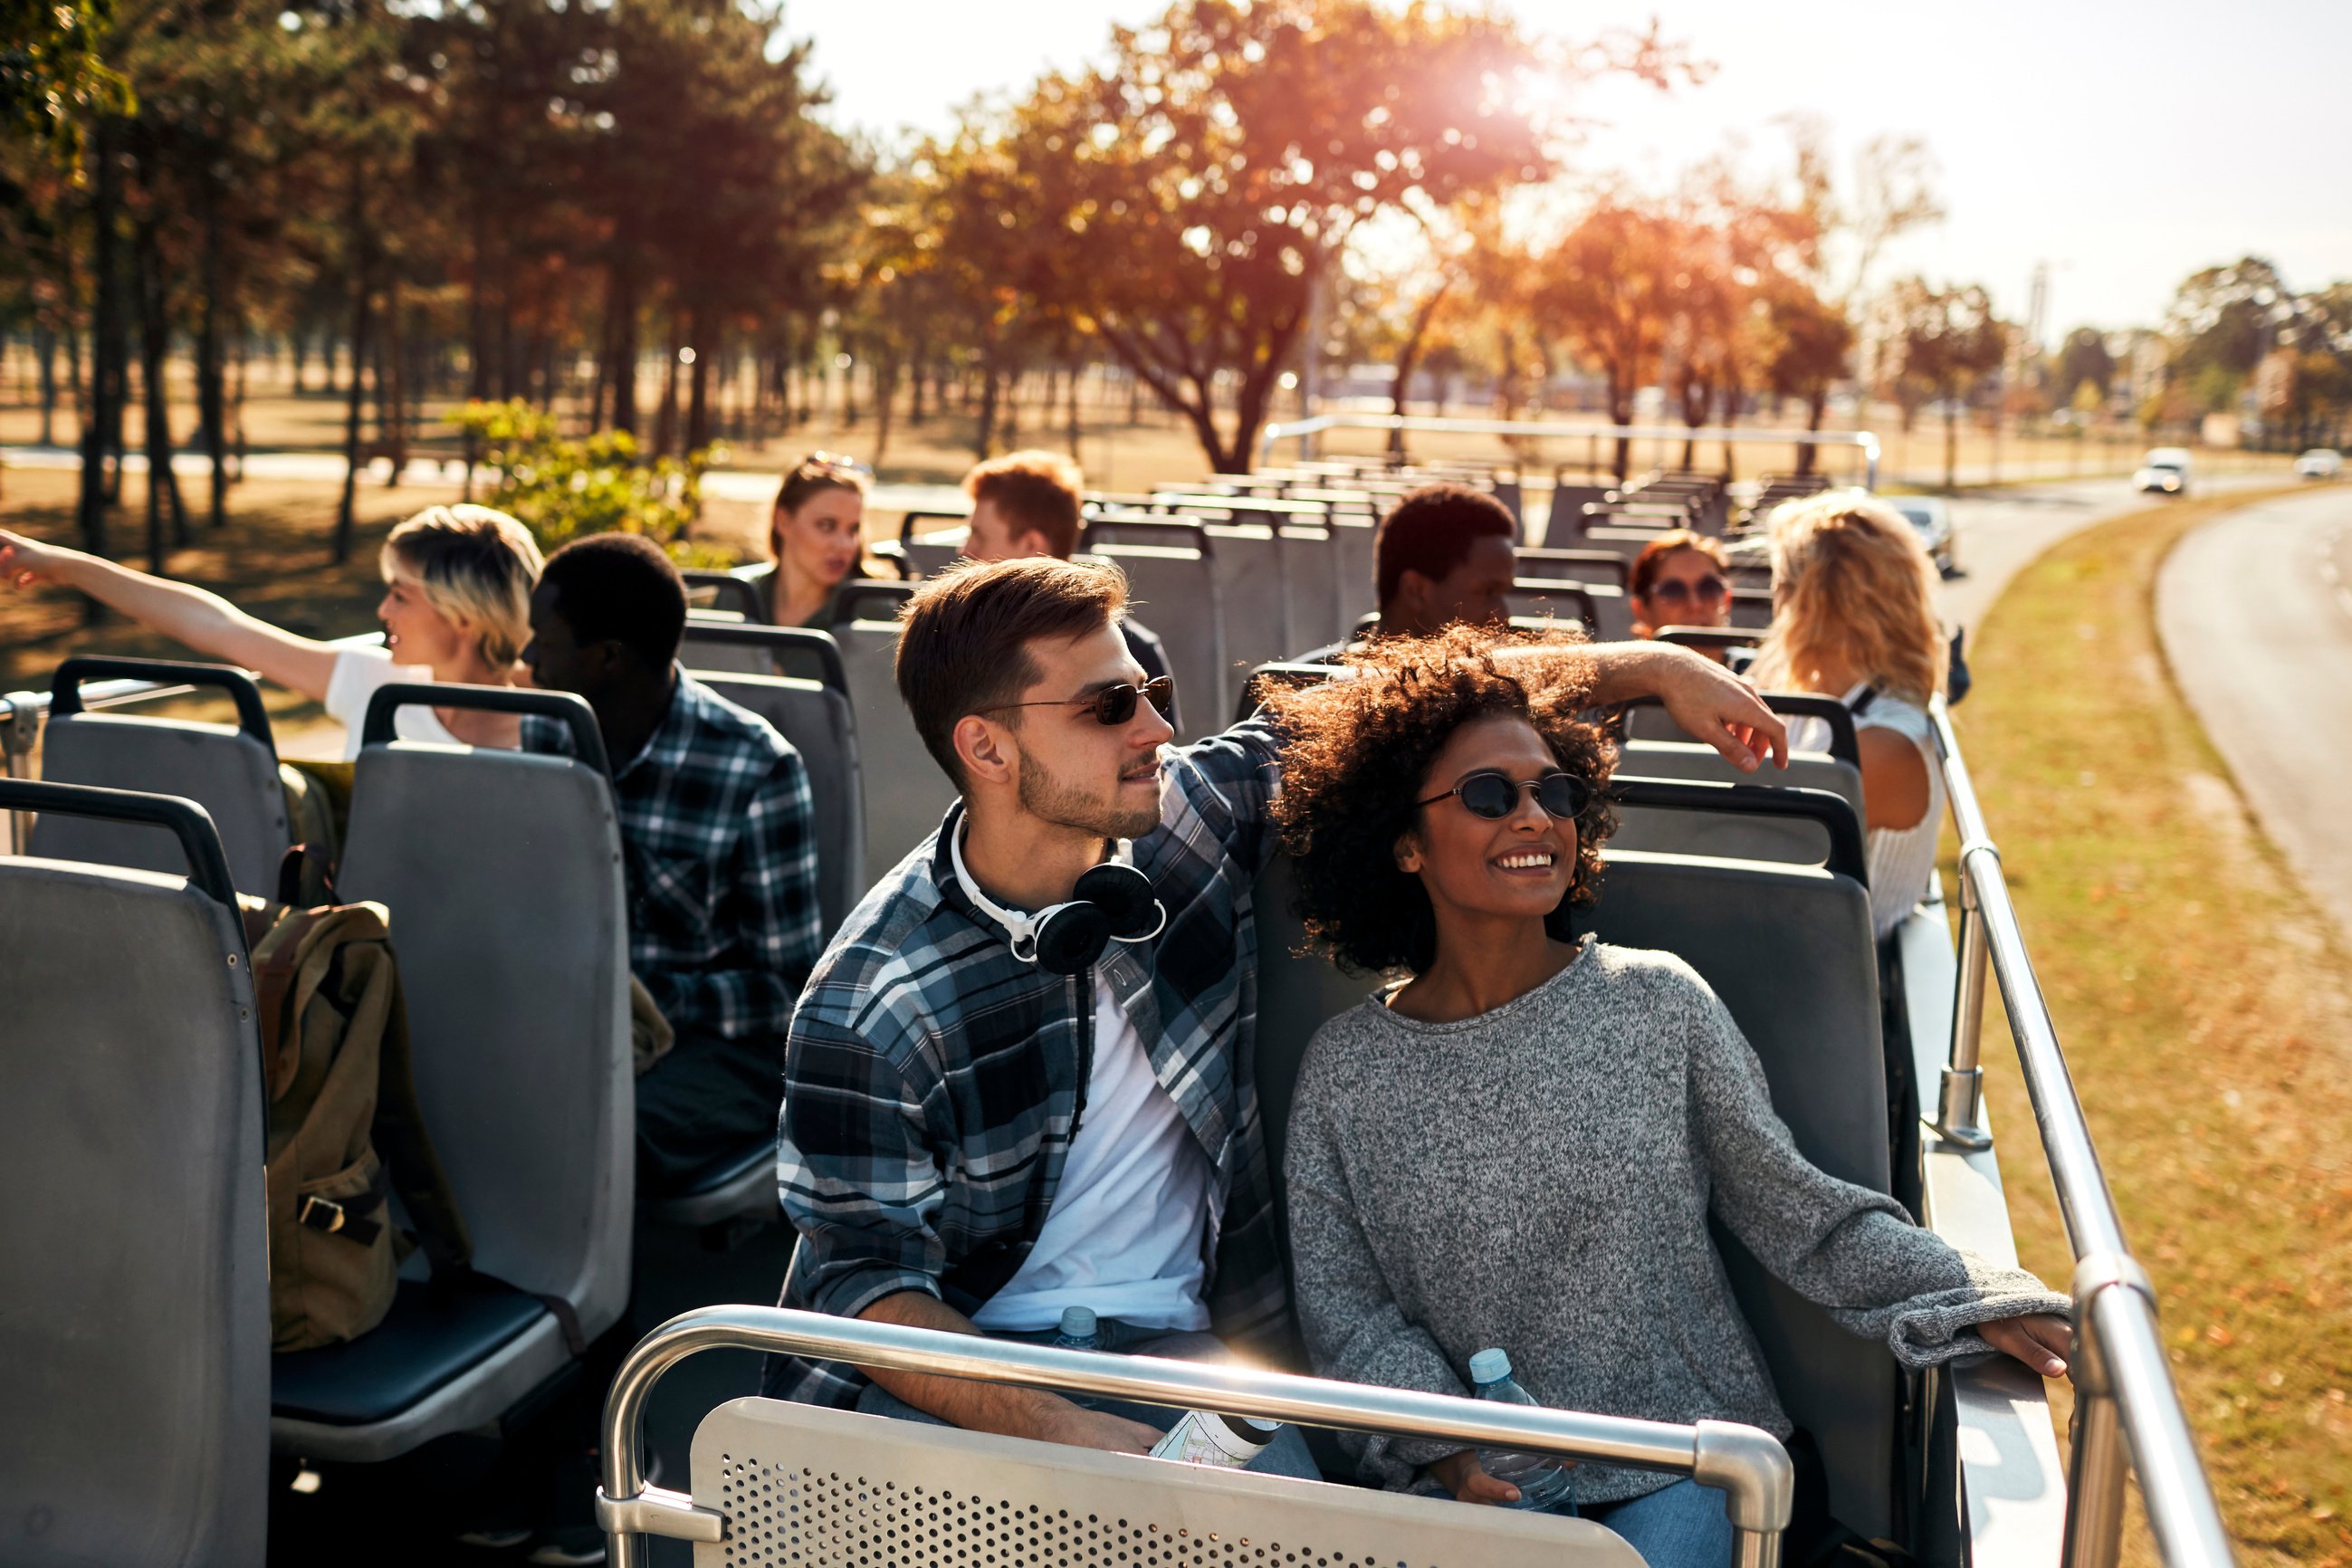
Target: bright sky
point(2125, 144)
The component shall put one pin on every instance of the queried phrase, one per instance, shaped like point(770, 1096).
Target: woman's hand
point(2041, 1342)
point(1469, 1483)
point(24, 562)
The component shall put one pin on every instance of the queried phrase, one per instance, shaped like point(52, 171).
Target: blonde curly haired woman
point(1854, 617)
point(455, 609)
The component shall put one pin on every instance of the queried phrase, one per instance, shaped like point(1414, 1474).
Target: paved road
point(2255, 611)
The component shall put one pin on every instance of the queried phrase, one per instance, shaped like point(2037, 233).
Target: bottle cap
point(1079, 1322)
point(1490, 1366)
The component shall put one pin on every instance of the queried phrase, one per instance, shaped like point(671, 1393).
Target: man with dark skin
point(1446, 553)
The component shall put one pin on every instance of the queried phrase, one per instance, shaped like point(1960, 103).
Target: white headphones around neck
point(1112, 903)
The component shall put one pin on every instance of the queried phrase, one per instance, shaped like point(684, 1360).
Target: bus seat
point(905, 792)
point(736, 646)
point(1788, 950)
point(712, 590)
point(805, 1483)
point(933, 553)
point(1359, 585)
point(135, 1305)
point(231, 770)
point(508, 917)
point(1601, 566)
point(700, 649)
point(1535, 598)
point(1252, 604)
point(1647, 719)
point(1174, 592)
point(818, 720)
point(1310, 575)
point(874, 600)
point(1733, 836)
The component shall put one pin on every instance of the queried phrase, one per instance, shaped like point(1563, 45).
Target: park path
point(2254, 609)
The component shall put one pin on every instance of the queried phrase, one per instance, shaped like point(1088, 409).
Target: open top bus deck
point(1957, 1466)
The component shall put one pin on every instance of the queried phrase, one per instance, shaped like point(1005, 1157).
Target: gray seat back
point(818, 720)
point(1355, 534)
point(712, 590)
point(1310, 575)
point(1597, 567)
point(1733, 837)
point(1175, 594)
point(752, 647)
point(1623, 542)
point(1251, 602)
point(1535, 598)
point(1788, 950)
point(906, 794)
point(503, 874)
point(135, 1305)
point(699, 649)
point(930, 554)
point(805, 1484)
point(231, 770)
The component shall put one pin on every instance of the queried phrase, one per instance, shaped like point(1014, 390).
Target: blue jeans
point(1286, 1456)
point(1680, 1526)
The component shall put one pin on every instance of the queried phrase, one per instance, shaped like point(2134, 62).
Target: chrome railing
point(1748, 1465)
point(1306, 430)
point(22, 713)
point(2127, 1409)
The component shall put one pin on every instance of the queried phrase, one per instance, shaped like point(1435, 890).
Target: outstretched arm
point(1703, 697)
point(205, 621)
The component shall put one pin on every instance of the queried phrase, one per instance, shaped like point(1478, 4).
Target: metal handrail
point(1864, 441)
point(2126, 1404)
point(1748, 1465)
point(22, 714)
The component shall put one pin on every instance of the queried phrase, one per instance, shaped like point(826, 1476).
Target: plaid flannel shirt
point(718, 834)
point(933, 1082)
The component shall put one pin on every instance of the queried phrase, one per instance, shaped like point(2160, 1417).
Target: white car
point(1933, 519)
point(2319, 463)
point(2164, 470)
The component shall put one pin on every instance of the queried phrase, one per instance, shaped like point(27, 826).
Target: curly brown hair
point(1356, 753)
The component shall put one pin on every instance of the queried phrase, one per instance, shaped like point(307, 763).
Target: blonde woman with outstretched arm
point(455, 609)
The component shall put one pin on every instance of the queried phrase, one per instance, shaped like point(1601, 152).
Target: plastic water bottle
point(1078, 1332)
point(1543, 1482)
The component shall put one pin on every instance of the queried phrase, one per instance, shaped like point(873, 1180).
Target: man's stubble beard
point(1049, 799)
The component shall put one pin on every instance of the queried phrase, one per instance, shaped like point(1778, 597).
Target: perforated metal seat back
point(503, 872)
point(906, 792)
point(229, 773)
point(1175, 594)
point(1729, 836)
point(1788, 950)
point(817, 721)
point(805, 1485)
point(134, 1306)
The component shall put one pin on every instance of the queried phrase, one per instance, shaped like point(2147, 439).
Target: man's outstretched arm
point(1703, 697)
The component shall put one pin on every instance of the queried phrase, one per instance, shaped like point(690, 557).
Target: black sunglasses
point(1675, 592)
point(1495, 795)
point(1113, 705)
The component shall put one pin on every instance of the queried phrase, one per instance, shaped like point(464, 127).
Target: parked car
point(1933, 519)
point(2319, 463)
point(2164, 470)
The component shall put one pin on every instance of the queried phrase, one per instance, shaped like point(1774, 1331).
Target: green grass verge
point(2206, 1007)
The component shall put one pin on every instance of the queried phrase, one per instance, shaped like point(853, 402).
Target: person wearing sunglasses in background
point(1680, 578)
point(1522, 1146)
point(1018, 1080)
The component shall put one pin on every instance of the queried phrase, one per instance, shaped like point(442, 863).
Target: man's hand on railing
point(2041, 1342)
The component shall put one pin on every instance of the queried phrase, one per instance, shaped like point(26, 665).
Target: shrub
point(563, 489)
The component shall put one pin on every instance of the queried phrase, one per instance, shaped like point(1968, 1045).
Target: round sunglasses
point(1113, 705)
point(1495, 795)
point(1708, 590)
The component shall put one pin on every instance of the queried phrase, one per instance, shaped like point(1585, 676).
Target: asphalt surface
point(2255, 613)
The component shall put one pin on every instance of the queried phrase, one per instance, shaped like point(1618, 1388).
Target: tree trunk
point(1621, 413)
point(154, 351)
point(362, 300)
point(666, 414)
point(298, 341)
point(1951, 444)
point(697, 386)
point(1816, 403)
point(386, 359)
point(1076, 373)
point(983, 439)
point(625, 352)
point(211, 400)
point(105, 340)
point(885, 393)
point(45, 347)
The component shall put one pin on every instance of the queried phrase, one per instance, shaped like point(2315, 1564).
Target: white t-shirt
point(1128, 1233)
point(359, 673)
point(1902, 861)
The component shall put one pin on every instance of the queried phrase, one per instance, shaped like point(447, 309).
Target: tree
point(53, 76)
point(1206, 175)
point(1610, 290)
point(1805, 342)
point(2083, 360)
point(1949, 341)
point(2223, 321)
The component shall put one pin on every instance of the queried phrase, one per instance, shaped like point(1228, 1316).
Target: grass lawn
point(2205, 1003)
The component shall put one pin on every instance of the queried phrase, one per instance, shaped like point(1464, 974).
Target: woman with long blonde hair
point(1854, 617)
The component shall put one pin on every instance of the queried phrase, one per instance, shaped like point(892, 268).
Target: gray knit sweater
point(1540, 1178)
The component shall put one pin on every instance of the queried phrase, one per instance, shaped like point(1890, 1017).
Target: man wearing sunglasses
point(976, 1137)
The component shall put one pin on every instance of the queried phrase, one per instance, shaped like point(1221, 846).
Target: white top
point(359, 673)
point(1128, 1233)
point(1902, 861)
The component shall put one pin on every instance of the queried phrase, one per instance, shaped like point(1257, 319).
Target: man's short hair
point(964, 637)
point(620, 587)
point(1429, 531)
point(1032, 490)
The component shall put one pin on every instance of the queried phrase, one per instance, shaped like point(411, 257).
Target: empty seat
point(709, 590)
point(1538, 598)
point(503, 872)
point(1174, 590)
point(798, 653)
point(1251, 602)
point(1600, 566)
point(1647, 719)
point(1623, 542)
point(700, 649)
point(906, 793)
point(1310, 578)
point(1738, 835)
point(231, 770)
point(134, 1303)
point(1357, 567)
point(870, 601)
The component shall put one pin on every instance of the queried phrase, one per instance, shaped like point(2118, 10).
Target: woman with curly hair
point(1521, 1145)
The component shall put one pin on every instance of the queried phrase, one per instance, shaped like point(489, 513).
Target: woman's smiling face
point(1519, 865)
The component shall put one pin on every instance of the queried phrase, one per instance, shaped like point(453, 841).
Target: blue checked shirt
point(933, 1082)
point(718, 835)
